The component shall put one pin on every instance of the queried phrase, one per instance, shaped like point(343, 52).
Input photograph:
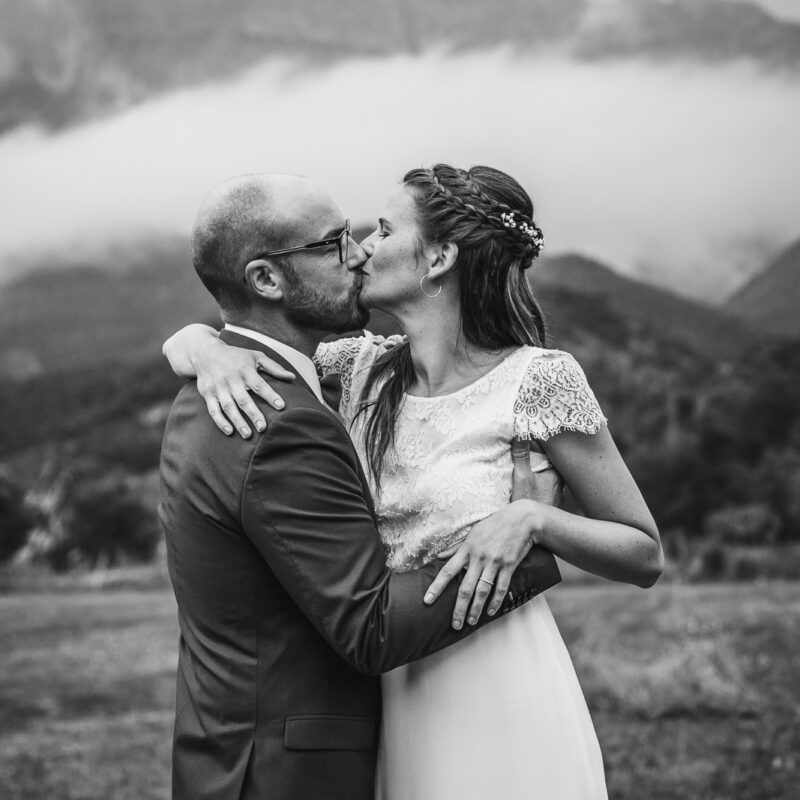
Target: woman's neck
point(444, 361)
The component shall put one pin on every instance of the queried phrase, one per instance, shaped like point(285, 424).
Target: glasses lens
point(344, 242)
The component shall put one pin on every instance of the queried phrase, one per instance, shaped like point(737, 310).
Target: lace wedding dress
point(501, 714)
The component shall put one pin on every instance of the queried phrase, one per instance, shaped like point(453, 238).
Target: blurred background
point(660, 140)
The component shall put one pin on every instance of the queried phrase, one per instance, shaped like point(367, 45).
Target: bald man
point(287, 610)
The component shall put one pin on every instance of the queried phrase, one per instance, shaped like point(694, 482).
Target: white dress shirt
point(302, 364)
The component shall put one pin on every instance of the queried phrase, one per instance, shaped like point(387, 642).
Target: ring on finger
point(486, 580)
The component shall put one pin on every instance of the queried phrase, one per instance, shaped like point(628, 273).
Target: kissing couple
point(320, 552)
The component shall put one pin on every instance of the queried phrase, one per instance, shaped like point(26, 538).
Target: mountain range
point(119, 306)
point(716, 333)
point(770, 301)
point(67, 61)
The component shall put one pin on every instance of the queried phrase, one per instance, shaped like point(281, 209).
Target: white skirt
point(499, 715)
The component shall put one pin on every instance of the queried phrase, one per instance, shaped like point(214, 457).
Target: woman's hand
point(225, 376)
point(491, 552)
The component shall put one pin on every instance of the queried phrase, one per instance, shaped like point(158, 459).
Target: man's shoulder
point(303, 414)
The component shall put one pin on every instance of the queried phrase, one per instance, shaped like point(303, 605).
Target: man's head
point(243, 221)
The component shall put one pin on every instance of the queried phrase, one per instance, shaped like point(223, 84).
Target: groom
point(286, 608)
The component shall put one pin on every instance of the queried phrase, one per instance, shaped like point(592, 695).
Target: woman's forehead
point(399, 206)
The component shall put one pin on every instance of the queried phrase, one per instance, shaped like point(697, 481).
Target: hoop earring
point(422, 287)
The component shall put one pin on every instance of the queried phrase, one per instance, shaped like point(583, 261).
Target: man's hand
point(541, 482)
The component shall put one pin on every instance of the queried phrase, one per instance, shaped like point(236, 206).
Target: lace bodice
point(451, 464)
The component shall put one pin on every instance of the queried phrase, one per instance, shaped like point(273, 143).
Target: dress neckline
point(464, 389)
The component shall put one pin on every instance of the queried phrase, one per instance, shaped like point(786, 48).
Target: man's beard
point(310, 308)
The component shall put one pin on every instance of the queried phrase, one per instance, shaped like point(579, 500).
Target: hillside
point(116, 306)
point(119, 306)
point(771, 300)
point(64, 61)
point(698, 327)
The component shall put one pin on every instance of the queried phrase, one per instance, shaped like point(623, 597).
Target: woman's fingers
point(466, 592)
point(501, 583)
point(255, 383)
point(231, 410)
point(270, 367)
point(220, 420)
point(485, 584)
point(449, 571)
point(247, 405)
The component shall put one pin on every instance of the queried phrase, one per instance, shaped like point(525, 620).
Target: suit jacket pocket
point(329, 732)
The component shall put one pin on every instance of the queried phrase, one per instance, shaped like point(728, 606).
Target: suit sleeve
point(304, 509)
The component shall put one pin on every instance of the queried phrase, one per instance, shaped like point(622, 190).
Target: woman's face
point(392, 271)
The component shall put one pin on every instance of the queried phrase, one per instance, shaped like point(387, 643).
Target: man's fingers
point(485, 585)
point(394, 340)
point(446, 574)
point(273, 368)
point(450, 552)
point(220, 420)
point(520, 448)
point(501, 584)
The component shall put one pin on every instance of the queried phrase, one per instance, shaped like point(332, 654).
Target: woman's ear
point(444, 259)
point(264, 279)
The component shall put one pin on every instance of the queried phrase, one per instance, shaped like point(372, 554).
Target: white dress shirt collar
point(299, 361)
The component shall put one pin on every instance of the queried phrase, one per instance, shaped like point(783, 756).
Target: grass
point(693, 690)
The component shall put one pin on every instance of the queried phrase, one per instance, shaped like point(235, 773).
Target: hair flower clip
point(528, 230)
point(508, 219)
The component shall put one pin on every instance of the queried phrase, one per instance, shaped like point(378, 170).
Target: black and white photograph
point(399, 400)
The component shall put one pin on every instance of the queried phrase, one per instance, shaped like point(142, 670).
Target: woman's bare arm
point(617, 538)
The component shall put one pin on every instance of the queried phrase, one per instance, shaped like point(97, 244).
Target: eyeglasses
point(341, 240)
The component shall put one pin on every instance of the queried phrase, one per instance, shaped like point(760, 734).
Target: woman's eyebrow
point(384, 222)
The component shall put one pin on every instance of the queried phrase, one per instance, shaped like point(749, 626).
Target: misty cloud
point(685, 175)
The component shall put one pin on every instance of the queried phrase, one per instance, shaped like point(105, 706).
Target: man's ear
point(264, 279)
point(443, 258)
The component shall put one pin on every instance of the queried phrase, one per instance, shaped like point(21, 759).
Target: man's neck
point(303, 340)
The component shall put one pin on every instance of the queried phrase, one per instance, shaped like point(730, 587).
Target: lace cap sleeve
point(341, 357)
point(554, 396)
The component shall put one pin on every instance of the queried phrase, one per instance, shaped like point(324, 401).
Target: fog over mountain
point(681, 174)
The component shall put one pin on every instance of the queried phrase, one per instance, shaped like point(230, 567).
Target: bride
point(501, 713)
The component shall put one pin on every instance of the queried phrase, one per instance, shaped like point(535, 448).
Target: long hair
point(489, 216)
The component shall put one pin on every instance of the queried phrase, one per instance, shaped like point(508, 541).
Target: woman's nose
point(367, 245)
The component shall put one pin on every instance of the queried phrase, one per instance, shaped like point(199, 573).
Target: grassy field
point(694, 690)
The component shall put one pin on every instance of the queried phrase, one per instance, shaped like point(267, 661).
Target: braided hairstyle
point(489, 216)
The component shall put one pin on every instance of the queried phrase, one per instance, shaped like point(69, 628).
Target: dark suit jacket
point(286, 608)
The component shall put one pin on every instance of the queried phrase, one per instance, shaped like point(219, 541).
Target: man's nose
point(356, 257)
